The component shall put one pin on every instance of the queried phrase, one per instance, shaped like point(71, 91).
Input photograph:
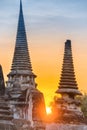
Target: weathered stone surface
point(68, 84)
point(22, 124)
point(2, 83)
point(65, 127)
point(67, 105)
point(26, 101)
point(23, 103)
point(5, 126)
point(26, 125)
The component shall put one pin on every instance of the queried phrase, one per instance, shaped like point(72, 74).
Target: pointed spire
point(21, 59)
point(20, 4)
point(68, 82)
point(2, 84)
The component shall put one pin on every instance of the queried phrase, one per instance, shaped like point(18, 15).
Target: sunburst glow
point(48, 110)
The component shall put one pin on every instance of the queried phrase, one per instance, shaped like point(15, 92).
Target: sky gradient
point(48, 24)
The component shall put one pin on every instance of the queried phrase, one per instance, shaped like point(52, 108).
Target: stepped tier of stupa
point(23, 98)
point(68, 105)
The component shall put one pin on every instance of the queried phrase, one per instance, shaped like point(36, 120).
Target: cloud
point(70, 8)
point(59, 15)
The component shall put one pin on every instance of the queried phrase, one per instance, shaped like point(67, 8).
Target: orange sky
point(47, 62)
point(48, 23)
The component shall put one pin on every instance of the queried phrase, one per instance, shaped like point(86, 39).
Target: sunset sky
point(48, 24)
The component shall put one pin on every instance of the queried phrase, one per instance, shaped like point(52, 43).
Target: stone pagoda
point(2, 84)
point(26, 100)
point(6, 114)
point(68, 105)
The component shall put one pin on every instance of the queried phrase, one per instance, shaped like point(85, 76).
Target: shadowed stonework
point(2, 84)
point(68, 106)
point(6, 115)
point(66, 127)
point(22, 105)
point(22, 101)
point(68, 84)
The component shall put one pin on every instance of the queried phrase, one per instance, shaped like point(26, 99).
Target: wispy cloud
point(45, 14)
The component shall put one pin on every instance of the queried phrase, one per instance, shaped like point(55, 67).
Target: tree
point(84, 104)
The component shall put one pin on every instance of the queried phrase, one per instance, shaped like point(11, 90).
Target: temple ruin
point(6, 115)
point(21, 103)
point(21, 100)
point(68, 105)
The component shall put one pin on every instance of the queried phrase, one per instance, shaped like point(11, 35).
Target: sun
point(48, 110)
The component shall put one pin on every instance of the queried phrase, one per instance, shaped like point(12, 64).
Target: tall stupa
point(68, 105)
point(26, 101)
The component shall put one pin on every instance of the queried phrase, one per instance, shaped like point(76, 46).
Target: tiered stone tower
point(25, 100)
point(68, 86)
point(21, 65)
point(6, 114)
point(2, 84)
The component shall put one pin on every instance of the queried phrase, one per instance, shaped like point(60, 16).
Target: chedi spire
point(21, 59)
point(25, 99)
point(21, 68)
point(68, 106)
point(68, 82)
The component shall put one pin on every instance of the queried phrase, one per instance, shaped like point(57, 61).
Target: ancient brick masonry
point(22, 97)
point(6, 115)
point(68, 105)
point(2, 84)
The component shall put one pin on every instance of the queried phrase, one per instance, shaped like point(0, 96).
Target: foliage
point(83, 100)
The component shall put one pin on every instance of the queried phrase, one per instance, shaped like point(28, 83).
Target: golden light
point(48, 110)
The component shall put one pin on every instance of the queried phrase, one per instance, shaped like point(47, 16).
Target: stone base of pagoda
point(31, 108)
point(39, 126)
point(69, 116)
point(22, 124)
point(6, 125)
point(72, 116)
point(68, 111)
